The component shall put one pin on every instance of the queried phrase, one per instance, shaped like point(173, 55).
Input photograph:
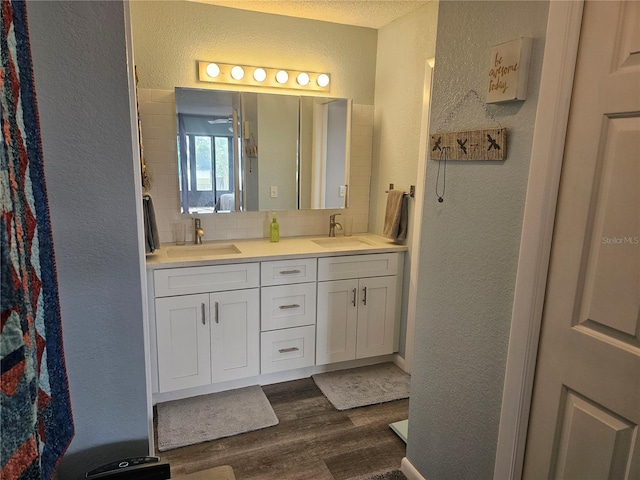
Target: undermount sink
point(341, 242)
point(202, 250)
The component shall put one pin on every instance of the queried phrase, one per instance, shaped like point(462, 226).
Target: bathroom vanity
point(227, 315)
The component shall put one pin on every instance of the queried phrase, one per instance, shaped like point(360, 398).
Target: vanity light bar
point(263, 76)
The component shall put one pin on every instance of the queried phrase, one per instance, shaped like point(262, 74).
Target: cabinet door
point(376, 316)
point(336, 321)
point(184, 349)
point(235, 334)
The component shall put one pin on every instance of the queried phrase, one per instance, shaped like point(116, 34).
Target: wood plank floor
point(312, 441)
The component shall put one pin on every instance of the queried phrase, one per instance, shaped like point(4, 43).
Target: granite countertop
point(242, 251)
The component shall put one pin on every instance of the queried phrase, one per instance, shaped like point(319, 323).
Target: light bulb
point(213, 70)
point(282, 77)
point(303, 79)
point(237, 72)
point(323, 80)
point(259, 74)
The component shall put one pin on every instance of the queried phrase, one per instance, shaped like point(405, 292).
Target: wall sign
point(509, 71)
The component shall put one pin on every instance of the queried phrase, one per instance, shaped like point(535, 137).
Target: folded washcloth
point(396, 216)
point(151, 237)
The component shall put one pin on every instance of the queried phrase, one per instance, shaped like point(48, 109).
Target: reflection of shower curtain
point(36, 412)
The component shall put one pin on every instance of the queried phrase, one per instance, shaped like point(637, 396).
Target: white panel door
point(376, 316)
point(336, 321)
point(182, 330)
point(586, 402)
point(235, 334)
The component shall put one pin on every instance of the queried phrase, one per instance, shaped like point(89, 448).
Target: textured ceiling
point(363, 13)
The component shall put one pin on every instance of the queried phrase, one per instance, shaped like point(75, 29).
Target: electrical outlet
point(342, 190)
point(274, 192)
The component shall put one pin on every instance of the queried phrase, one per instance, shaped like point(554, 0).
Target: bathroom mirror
point(247, 151)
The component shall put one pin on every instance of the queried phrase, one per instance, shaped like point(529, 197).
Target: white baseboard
point(400, 362)
point(409, 470)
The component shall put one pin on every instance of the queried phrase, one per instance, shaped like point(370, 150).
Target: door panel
point(611, 302)
point(594, 442)
point(586, 401)
point(183, 342)
point(336, 321)
point(235, 334)
point(376, 316)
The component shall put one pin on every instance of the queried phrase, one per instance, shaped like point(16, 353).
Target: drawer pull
point(216, 312)
point(285, 307)
point(364, 299)
point(289, 272)
point(204, 312)
point(287, 350)
point(355, 290)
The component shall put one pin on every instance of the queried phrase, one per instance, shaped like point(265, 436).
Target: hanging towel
point(151, 237)
point(396, 216)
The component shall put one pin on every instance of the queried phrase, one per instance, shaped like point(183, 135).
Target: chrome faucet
point(199, 232)
point(333, 225)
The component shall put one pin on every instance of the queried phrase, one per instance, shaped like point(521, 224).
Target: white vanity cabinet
point(358, 306)
point(288, 314)
point(226, 325)
point(207, 324)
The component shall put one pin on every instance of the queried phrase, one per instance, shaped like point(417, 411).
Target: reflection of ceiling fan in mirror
point(218, 120)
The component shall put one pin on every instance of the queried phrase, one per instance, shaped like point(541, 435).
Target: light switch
point(274, 192)
point(342, 189)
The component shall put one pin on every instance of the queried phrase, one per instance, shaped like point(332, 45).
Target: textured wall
point(170, 36)
point(403, 49)
point(81, 82)
point(470, 247)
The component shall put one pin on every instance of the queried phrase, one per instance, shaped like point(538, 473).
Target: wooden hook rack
point(488, 144)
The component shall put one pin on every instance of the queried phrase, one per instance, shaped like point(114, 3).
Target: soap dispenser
point(274, 234)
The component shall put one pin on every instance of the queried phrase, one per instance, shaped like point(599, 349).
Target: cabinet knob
point(204, 313)
point(355, 291)
point(364, 296)
point(215, 309)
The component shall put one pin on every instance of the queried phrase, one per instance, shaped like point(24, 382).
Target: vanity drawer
point(357, 266)
point(288, 271)
point(287, 349)
point(217, 278)
point(286, 306)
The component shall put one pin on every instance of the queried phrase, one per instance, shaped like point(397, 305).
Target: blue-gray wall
point(80, 69)
point(469, 247)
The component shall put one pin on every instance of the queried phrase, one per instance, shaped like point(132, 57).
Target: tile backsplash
point(158, 125)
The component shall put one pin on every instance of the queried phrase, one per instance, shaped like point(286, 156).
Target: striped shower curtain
point(35, 411)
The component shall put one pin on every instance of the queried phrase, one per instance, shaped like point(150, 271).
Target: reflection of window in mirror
point(213, 160)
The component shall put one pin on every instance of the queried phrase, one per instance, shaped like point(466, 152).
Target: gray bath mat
point(362, 386)
point(391, 475)
point(218, 415)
